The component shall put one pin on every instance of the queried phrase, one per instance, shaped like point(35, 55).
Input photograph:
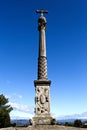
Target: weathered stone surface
point(42, 101)
point(42, 120)
point(42, 68)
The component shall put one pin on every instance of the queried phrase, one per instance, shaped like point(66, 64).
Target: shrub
point(78, 123)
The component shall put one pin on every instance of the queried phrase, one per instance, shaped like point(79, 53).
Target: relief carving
point(42, 100)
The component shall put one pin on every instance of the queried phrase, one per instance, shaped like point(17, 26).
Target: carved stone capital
point(42, 82)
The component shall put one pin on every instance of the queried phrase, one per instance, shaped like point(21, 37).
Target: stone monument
point(42, 84)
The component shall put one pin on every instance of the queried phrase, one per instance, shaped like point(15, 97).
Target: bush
point(13, 124)
point(78, 123)
point(53, 122)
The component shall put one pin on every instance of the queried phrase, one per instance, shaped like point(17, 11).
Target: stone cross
point(42, 84)
point(42, 12)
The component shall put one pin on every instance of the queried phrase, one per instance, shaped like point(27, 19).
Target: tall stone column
point(42, 60)
point(42, 84)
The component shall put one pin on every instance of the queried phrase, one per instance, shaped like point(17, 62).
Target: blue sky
point(66, 38)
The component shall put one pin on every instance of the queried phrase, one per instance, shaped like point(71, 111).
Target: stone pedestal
point(42, 101)
point(42, 120)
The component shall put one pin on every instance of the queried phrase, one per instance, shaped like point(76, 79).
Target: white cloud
point(17, 95)
point(21, 111)
point(20, 115)
point(22, 108)
point(14, 96)
point(84, 115)
point(74, 116)
point(8, 96)
point(53, 115)
point(20, 96)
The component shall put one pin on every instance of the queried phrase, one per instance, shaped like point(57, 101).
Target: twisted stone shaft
point(42, 60)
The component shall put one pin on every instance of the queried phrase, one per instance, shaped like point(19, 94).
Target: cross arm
point(42, 11)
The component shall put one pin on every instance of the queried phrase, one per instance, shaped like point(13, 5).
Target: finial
point(42, 12)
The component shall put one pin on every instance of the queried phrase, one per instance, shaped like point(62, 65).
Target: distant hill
point(25, 122)
point(62, 121)
point(20, 122)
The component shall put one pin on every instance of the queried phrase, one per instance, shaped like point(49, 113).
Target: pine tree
point(5, 109)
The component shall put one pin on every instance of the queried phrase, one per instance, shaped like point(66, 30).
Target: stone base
point(52, 127)
point(42, 121)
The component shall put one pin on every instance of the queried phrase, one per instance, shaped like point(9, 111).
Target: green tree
point(78, 123)
point(5, 109)
point(4, 118)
